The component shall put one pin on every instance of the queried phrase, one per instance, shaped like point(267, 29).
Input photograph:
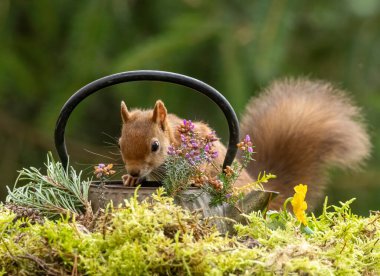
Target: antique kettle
point(115, 191)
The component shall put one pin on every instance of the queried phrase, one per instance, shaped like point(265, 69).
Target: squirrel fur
point(299, 128)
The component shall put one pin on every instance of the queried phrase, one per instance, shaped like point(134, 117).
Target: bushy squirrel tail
point(299, 128)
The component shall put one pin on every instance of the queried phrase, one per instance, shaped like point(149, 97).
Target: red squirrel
point(298, 127)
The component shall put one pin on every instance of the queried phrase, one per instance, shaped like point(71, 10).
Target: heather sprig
point(103, 171)
point(194, 148)
point(230, 174)
point(246, 147)
point(178, 173)
point(187, 165)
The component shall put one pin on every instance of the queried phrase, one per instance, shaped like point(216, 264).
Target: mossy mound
point(159, 237)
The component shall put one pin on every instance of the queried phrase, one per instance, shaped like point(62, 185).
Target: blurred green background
point(49, 49)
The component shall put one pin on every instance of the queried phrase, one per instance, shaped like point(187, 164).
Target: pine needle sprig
point(60, 191)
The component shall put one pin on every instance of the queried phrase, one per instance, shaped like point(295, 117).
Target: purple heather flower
point(228, 195)
point(191, 125)
point(207, 147)
point(188, 124)
point(193, 153)
point(193, 148)
point(211, 137)
point(250, 149)
point(194, 143)
point(247, 139)
point(171, 150)
point(102, 170)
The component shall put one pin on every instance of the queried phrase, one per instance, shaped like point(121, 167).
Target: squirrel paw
point(129, 180)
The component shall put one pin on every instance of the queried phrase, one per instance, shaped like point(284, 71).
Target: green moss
point(158, 237)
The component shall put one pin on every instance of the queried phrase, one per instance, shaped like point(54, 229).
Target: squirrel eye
point(155, 146)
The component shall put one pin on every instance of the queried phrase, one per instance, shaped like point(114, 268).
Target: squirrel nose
point(134, 173)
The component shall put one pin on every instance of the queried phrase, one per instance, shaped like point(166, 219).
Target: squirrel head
point(145, 138)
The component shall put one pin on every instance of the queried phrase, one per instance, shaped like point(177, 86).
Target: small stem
point(285, 206)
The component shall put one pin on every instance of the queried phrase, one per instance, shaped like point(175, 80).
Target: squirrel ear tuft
point(124, 112)
point(159, 114)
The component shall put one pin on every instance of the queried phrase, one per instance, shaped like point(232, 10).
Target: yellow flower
point(299, 204)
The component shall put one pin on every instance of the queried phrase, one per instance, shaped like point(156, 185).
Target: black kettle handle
point(147, 75)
